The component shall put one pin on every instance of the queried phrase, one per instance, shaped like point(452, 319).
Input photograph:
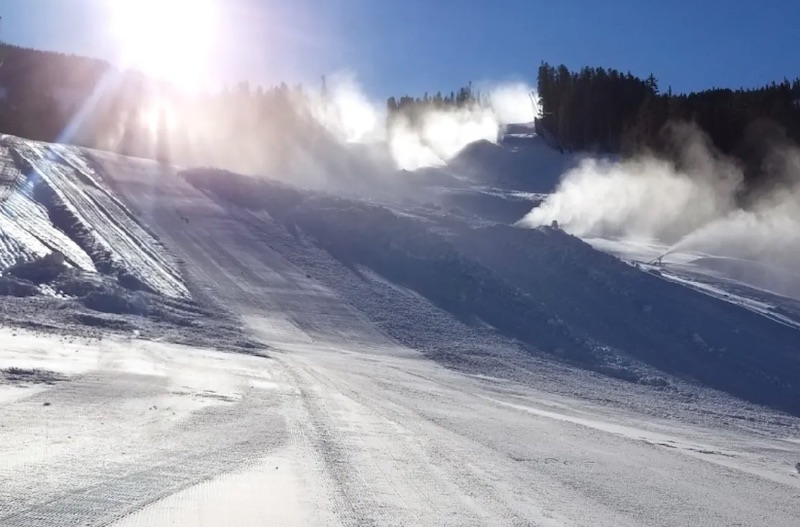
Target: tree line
point(465, 97)
point(55, 97)
point(605, 110)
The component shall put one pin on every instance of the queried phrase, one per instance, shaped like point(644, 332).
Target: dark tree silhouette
point(605, 110)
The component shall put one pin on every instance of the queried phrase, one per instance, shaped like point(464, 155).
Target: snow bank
point(519, 162)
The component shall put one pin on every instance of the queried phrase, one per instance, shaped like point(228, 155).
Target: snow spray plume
point(339, 139)
point(434, 137)
point(346, 111)
point(767, 232)
point(643, 197)
point(693, 208)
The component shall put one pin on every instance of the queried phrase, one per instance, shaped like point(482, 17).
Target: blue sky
point(411, 46)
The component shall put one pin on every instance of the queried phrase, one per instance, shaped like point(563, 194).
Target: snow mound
point(51, 200)
point(519, 161)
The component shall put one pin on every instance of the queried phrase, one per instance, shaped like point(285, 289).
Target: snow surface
point(409, 365)
point(732, 280)
point(26, 231)
point(153, 434)
point(54, 184)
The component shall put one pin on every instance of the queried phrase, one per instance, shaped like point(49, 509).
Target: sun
point(169, 39)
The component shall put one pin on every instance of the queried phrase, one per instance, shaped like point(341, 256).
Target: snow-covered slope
point(544, 289)
point(56, 203)
point(136, 433)
point(742, 282)
point(414, 365)
point(519, 161)
point(26, 231)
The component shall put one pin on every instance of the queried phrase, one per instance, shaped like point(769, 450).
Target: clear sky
point(411, 46)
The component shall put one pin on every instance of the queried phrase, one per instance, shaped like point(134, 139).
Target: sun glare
point(169, 39)
point(157, 117)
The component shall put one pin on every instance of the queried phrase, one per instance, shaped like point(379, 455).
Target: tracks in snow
point(150, 421)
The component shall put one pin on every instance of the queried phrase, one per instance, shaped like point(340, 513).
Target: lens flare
point(168, 39)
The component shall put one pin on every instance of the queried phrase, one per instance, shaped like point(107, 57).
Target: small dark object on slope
point(797, 467)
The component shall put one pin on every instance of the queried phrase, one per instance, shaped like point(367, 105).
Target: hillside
point(208, 332)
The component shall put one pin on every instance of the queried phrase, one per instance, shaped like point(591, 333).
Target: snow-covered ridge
point(52, 200)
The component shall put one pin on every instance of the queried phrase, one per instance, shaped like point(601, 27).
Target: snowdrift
point(518, 161)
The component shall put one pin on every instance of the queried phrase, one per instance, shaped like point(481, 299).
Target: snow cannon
point(658, 262)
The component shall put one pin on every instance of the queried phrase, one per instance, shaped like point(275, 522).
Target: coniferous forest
point(55, 97)
point(63, 98)
point(605, 110)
